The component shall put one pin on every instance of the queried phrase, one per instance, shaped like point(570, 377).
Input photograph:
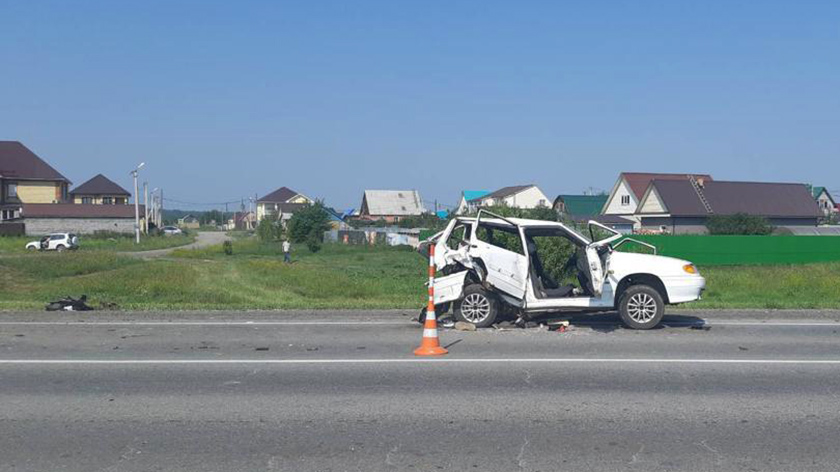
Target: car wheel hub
point(641, 308)
point(475, 308)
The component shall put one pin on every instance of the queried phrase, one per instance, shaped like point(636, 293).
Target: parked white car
point(55, 242)
point(171, 230)
point(493, 265)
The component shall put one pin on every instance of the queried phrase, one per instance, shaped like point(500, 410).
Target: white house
point(467, 196)
point(519, 196)
point(628, 190)
point(282, 202)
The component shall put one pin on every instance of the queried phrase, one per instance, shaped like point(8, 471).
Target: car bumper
point(684, 288)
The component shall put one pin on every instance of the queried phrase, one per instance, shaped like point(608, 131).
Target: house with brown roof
point(100, 190)
point(26, 178)
point(628, 190)
point(679, 206)
point(45, 218)
point(517, 196)
point(282, 203)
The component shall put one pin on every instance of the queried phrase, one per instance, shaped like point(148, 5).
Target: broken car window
point(501, 237)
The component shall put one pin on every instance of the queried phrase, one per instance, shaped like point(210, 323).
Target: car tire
point(60, 248)
point(439, 311)
point(641, 307)
point(478, 306)
point(31, 248)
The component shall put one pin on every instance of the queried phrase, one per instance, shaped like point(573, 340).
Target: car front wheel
point(478, 307)
point(641, 307)
point(60, 248)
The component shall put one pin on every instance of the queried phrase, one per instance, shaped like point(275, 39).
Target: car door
point(502, 255)
point(596, 269)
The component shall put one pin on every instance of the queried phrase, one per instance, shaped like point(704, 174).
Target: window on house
point(87, 200)
point(11, 190)
point(625, 200)
point(542, 202)
point(120, 201)
point(107, 200)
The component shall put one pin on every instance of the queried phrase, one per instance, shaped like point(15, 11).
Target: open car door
point(502, 254)
point(597, 270)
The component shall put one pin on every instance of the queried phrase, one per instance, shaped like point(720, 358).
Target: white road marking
point(199, 323)
point(415, 361)
point(582, 323)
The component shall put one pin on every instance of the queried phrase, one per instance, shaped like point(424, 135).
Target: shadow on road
point(609, 322)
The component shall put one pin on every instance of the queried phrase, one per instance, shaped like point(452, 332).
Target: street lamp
point(136, 204)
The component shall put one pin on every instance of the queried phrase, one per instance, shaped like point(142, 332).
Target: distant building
point(824, 200)
point(189, 222)
point(26, 178)
point(281, 203)
point(100, 190)
point(45, 218)
point(467, 196)
point(390, 205)
point(579, 207)
point(628, 190)
point(518, 196)
point(683, 206)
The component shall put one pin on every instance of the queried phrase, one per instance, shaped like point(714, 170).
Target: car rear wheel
point(60, 248)
point(641, 307)
point(478, 307)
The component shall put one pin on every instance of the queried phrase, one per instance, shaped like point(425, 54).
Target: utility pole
point(160, 206)
point(137, 204)
point(145, 207)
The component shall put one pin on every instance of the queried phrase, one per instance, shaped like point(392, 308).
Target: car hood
point(648, 263)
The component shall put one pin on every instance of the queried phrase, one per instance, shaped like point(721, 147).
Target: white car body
point(509, 274)
point(170, 230)
point(55, 242)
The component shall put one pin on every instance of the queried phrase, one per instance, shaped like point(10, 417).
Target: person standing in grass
point(287, 251)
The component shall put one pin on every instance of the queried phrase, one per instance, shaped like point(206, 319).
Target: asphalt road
point(341, 391)
point(203, 239)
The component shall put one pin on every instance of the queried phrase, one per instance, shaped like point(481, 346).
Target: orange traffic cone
point(430, 346)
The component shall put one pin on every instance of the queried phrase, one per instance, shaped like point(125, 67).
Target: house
point(100, 190)
point(628, 190)
point(681, 206)
point(390, 205)
point(824, 200)
point(189, 222)
point(26, 178)
point(244, 220)
point(45, 218)
point(464, 206)
point(579, 207)
point(518, 196)
point(281, 203)
point(336, 219)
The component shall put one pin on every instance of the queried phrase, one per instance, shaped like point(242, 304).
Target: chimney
point(701, 182)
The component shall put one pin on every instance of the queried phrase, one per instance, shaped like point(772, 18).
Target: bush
point(738, 224)
point(308, 226)
point(228, 247)
point(269, 229)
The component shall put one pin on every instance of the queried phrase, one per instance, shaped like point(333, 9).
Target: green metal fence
point(733, 250)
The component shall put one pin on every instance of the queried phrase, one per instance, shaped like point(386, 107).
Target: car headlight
point(690, 269)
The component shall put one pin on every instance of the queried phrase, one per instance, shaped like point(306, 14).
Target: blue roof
point(443, 214)
point(473, 194)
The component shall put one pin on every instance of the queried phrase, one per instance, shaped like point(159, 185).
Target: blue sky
point(227, 99)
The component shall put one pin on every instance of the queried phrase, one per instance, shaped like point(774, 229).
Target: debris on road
point(69, 304)
point(464, 326)
point(261, 349)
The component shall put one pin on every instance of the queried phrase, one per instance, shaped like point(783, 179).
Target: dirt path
point(204, 239)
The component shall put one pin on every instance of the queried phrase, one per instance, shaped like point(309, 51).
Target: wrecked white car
point(490, 265)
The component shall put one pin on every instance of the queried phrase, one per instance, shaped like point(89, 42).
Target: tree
point(308, 224)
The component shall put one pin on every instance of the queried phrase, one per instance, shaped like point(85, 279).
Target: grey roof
point(18, 162)
point(504, 192)
point(392, 202)
point(779, 200)
point(99, 185)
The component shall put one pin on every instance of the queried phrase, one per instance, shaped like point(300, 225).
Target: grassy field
point(337, 277)
point(123, 243)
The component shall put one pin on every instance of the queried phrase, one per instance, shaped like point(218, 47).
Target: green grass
point(121, 243)
point(337, 277)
